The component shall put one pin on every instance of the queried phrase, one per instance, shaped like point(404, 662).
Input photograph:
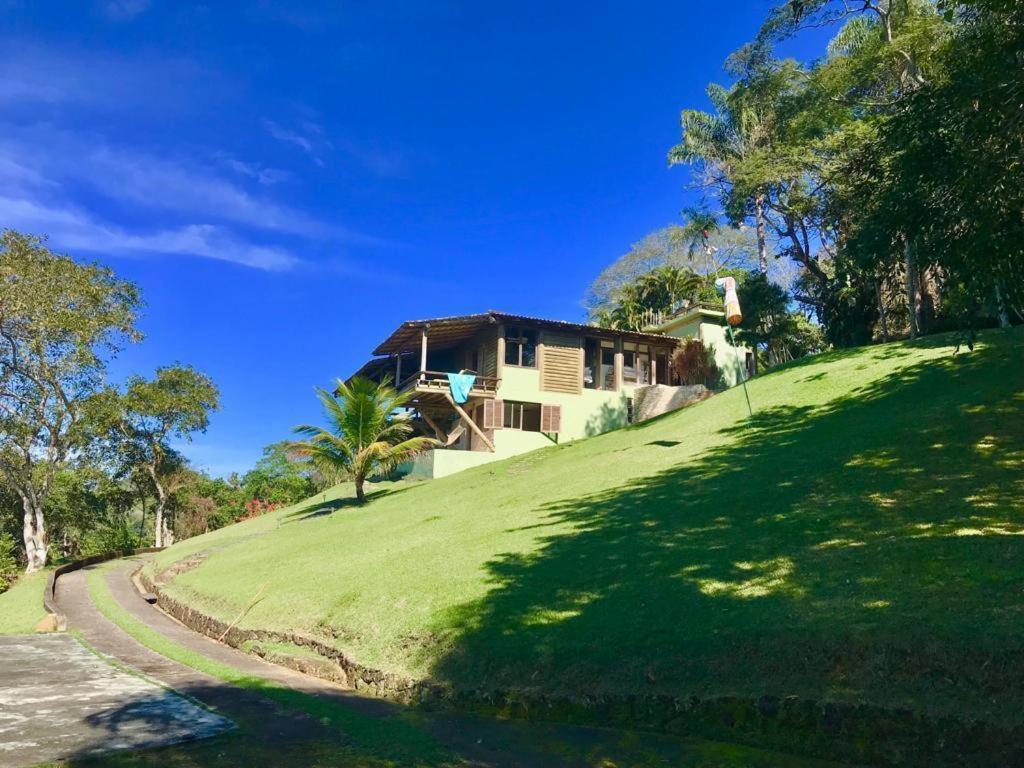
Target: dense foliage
point(888, 174)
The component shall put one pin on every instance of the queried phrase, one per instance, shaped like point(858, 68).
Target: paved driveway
point(58, 699)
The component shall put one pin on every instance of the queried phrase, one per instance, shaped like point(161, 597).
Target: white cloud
point(90, 194)
point(259, 173)
point(75, 230)
point(181, 185)
point(308, 142)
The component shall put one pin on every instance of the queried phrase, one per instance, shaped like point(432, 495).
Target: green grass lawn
point(21, 606)
point(350, 738)
point(860, 539)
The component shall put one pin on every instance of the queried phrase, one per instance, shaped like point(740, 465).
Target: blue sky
point(287, 182)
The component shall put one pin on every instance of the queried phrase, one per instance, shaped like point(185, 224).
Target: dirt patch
point(180, 567)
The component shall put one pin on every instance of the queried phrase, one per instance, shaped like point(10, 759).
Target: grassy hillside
point(21, 606)
point(859, 539)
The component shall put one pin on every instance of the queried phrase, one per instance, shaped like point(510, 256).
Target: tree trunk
point(881, 310)
point(34, 535)
point(762, 234)
point(360, 495)
point(159, 528)
point(911, 270)
point(1004, 316)
point(158, 523)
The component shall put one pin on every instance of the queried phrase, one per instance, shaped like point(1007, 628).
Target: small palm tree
point(367, 434)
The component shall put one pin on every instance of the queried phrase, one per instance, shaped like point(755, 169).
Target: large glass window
point(636, 363)
point(599, 364)
point(520, 346)
point(591, 364)
point(524, 416)
point(662, 368)
point(607, 366)
point(629, 374)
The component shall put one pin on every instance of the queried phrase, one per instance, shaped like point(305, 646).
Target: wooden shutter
point(551, 419)
point(494, 414)
point(489, 358)
point(561, 364)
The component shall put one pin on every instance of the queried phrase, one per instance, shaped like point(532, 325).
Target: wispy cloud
point(307, 140)
point(187, 187)
point(35, 198)
point(123, 10)
point(97, 195)
point(76, 230)
point(384, 163)
point(259, 173)
point(34, 75)
point(311, 138)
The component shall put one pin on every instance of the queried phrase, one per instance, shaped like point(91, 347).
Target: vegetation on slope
point(859, 539)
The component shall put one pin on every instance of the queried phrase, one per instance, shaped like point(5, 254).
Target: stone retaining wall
point(657, 399)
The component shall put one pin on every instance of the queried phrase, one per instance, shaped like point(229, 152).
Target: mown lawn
point(342, 736)
point(859, 539)
point(21, 606)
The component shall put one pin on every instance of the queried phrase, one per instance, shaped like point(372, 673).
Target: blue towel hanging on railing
point(460, 385)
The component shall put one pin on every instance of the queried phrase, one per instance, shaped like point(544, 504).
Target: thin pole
point(743, 376)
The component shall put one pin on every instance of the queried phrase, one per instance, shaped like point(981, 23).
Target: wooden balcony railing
point(437, 381)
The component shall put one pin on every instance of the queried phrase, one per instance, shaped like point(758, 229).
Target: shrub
point(8, 561)
point(692, 365)
point(116, 535)
point(257, 507)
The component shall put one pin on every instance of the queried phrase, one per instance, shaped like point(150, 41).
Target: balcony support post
point(472, 424)
point(423, 350)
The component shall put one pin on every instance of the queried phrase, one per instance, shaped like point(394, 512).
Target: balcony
point(432, 386)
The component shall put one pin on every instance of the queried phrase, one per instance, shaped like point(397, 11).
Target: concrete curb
point(60, 622)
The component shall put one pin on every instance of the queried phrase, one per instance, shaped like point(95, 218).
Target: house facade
point(535, 382)
point(706, 323)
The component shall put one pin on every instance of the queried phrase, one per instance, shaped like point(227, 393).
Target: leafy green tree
point(944, 167)
point(173, 405)
point(367, 431)
point(775, 332)
point(60, 323)
point(277, 479)
point(884, 53)
point(739, 127)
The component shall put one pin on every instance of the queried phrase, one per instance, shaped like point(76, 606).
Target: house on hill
point(493, 385)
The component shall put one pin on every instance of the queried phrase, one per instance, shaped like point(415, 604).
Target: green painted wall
point(589, 413)
point(730, 361)
point(584, 415)
point(709, 328)
point(442, 462)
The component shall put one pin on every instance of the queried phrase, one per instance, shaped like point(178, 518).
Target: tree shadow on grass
point(318, 506)
point(278, 726)
point(865, 550)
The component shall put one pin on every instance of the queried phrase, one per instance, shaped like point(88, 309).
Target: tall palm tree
point(719, 140)
point(367, 434)
point(678, 283)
